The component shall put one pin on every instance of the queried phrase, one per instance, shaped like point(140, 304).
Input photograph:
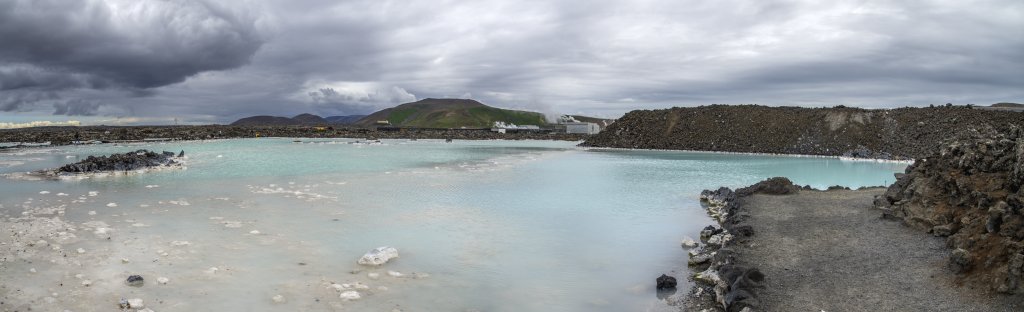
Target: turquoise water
point(497, 225)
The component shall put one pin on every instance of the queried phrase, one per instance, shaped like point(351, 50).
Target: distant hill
point(344, 120)
point(450, 113)
point(298, 120)
point(310, 119)
point(265, 121)
point(1011, 105)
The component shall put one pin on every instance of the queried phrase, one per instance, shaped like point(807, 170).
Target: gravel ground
point(831, 251)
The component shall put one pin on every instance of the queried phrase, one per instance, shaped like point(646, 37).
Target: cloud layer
point(207, 62)
point(52, 45)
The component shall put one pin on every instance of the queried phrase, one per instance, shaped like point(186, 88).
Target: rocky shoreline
point(107, 134)
point(970, 192)
point(722, 284)
point(903, 133)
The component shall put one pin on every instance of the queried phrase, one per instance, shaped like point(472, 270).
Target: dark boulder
point(743, 283)
point(135, 281)
point(666, 282)
point(772, 186)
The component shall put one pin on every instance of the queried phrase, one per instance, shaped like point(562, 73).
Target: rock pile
point(903, 133)
point(972, 192)
point(130, 161)
point(725, 284)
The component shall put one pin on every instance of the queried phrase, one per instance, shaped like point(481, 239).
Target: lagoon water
point(480, 225)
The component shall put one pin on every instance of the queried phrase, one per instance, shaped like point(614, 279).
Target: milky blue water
point(497, 225)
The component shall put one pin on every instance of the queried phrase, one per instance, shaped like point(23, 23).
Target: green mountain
point(450, 113)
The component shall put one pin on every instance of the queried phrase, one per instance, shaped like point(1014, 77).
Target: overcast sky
point(150, 61)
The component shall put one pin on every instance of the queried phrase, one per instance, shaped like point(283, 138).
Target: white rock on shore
point(379, 256)
point(136, 303)
point(350, 295)
point(688, 242)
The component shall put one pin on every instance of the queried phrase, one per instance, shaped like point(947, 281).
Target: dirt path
point(830, 251)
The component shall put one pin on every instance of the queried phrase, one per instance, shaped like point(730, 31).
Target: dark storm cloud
point(76, 107)
point(53, 45)
point(603, 57)
point(364, 100)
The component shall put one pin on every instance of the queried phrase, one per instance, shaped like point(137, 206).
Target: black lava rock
point(120, 162)
point(666, 282)
point(135, 281)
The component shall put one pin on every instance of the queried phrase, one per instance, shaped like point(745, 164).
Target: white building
point(582, 127)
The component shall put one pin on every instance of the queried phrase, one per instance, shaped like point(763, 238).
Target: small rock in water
point(93, 193)
point(92, 212)
point(86, 283)
point(44, 192)
point(112, 205)
point(689, 242)
point(279, 299)
point(666, 282)
point(135, 281)
point(212, 270)
point(32, 270)
point(379, 256)
point(395, 274)
point(350, 295)
point(152, 186)
point(254, 232)
point(180, 243)
point(373, 275)
point(162, 280)
point(79, 276)
point(125, 260)
point(80, 250)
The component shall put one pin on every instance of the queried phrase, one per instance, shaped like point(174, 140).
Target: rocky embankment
point(131, 161)
point(68, 135)
point(972, 192)
point(903, 133)
point(723, 284)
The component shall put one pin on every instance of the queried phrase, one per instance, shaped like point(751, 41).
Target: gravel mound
point(903, 133)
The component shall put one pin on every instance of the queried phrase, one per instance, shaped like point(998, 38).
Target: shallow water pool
point(272, 224)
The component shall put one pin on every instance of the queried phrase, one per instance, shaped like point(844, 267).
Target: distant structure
point(575, 126)
point(582, 127)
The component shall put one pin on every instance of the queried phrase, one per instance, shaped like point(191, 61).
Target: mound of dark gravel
point(903, 133)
